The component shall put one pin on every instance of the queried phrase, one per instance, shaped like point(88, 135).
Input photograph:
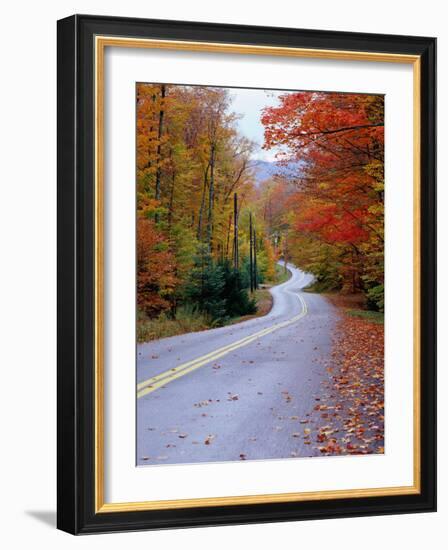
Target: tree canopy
point(325, 213)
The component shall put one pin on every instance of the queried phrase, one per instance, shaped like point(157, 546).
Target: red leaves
point(338, 141)
point(318, 119)
point(352, 399)
point(155, 269)
point(286, 395)
point(331, 223)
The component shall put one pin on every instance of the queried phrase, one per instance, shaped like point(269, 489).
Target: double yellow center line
point(152, 384)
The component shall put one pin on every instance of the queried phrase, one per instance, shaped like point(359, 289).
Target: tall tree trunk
point(159, 146)
point(211, 199)
point(235, 232)
point(255, 261)
point(202, 207)
point(229, 226)
point(251, 266)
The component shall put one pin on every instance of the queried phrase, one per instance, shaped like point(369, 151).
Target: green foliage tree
point(235, 293)
point(204, 289)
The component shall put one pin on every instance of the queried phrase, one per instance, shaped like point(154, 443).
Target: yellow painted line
point(160, 380)
point(210, 355)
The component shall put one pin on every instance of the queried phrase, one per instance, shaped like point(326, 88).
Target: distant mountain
point(264, 170)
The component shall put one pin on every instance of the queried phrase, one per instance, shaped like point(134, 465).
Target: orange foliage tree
point(191, 160)
point(155, 269)
point(338, 205)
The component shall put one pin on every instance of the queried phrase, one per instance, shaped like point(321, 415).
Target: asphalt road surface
point(236, 392)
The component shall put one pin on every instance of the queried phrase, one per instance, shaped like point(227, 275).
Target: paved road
point(235, 392)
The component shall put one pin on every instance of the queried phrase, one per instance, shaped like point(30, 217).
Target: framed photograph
point(246, 274)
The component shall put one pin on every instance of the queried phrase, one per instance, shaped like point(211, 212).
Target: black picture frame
point(76, 254)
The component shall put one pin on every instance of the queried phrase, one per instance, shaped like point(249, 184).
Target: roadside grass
point(317, 287)
point(164, 326)
point(354, 305)
point(187, 320)
point(281, 275)
point(264, 302)
point(263, 297)
point(376, 317)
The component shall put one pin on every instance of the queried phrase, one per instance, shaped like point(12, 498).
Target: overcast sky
point(249, 103)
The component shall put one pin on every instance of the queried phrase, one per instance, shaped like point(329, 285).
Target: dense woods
point(330, 213)
point(199, 257)
point(190, 164)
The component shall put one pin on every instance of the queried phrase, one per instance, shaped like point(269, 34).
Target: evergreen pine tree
point(205, 287)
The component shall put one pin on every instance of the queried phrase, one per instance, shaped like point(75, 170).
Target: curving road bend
point(235, 392)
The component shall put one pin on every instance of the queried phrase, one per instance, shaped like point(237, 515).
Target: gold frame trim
point(101, 42)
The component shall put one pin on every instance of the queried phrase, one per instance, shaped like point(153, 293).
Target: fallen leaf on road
point(353, 390)
point(209, 439)
point(201, 404)
point(287, 397)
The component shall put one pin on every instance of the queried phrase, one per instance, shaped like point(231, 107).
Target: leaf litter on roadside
point(349, 410)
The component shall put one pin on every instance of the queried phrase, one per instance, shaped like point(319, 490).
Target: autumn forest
point(211, 228)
